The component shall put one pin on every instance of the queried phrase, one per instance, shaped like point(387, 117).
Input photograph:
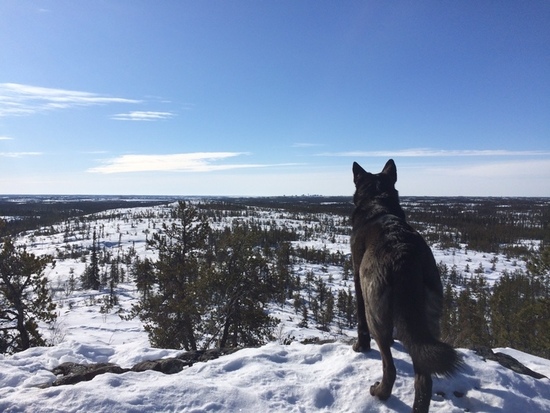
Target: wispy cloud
point(305, 145)
point(143, 116)
point(19, 100)
point(179, 162)
point(506, 170)
point(19, 154)
point(5, 138)
point(427, 152)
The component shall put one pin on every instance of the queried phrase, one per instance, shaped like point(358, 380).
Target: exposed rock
point(511, 363)
point(507, 361)
point(73, 373)
point(166, 366)
point(192, 357)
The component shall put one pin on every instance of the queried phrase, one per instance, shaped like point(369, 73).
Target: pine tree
point(24, 297)
point(172, 313)
point(472, 323)
point(449, 315)
point(506, 303)
point(520, 314)
point(282, 279)
point(91, 276)
point(144, 276)
point(346, 307)
point(322, 306)
point(538, 264)
point(237, 290)
point(305, 316)
point(298, 302)
point(535, 327)
point(206, 288)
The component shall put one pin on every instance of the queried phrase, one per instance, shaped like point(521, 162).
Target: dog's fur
point(397, 284)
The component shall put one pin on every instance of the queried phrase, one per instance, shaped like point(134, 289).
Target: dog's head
point(370, 186)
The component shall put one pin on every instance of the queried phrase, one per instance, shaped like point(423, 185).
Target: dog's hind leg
point(422, 392)
point(383, 389)
point(363, 335)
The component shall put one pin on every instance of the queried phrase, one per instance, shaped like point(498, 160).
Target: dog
point(397, 284)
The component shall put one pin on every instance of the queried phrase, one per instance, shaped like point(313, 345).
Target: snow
point(276, 377)
point(273, 378)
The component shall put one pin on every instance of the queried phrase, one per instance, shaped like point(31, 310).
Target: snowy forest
point(198, 274)
point(211, 267)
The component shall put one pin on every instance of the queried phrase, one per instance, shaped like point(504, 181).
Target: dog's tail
point(432, 356)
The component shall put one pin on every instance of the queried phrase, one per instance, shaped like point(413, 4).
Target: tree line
point(514, 312)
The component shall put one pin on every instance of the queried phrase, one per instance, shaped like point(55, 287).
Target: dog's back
point(397, 283)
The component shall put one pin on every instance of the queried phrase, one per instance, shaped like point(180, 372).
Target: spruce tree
point(237, 291)
point(25, 298)
point(172, 312)
point(91, 277)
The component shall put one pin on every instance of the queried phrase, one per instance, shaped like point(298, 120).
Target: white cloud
point(19, 154)
point(512, 170)
point(18, 100)
point(143, 116)
point(427, 152)
point(527, 177)
point(179, 162)
point(5, 138)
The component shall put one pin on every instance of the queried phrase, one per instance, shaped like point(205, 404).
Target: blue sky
point(273, 97)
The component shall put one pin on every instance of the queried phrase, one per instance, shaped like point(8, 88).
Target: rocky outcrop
point(507, 361)
point(72, 373)
point(166, 366)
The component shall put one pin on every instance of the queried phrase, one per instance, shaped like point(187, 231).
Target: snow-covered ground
point(273, 378)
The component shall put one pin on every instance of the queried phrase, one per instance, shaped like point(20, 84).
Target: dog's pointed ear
point(391, 170)
point(357, 172)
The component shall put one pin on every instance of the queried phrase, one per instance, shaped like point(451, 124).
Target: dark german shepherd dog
point(397, 285)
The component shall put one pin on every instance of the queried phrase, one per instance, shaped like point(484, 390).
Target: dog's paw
point(377, 390)
point(361, 347)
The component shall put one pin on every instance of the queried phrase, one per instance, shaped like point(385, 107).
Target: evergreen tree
point(322, 306)
point(538, 265)
point(481, 317)
point(282, 282)
point(346, 305)
point(144, 276)
point(466, 315)
point(535, 327)
point(305, 316)
point(25, 298)
point(237, 291)
point(91, 276)
point(470, 326)
point(510, 294)
point(520, 314)
point(298, 302)
point(172, 312)
point(449, 315)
